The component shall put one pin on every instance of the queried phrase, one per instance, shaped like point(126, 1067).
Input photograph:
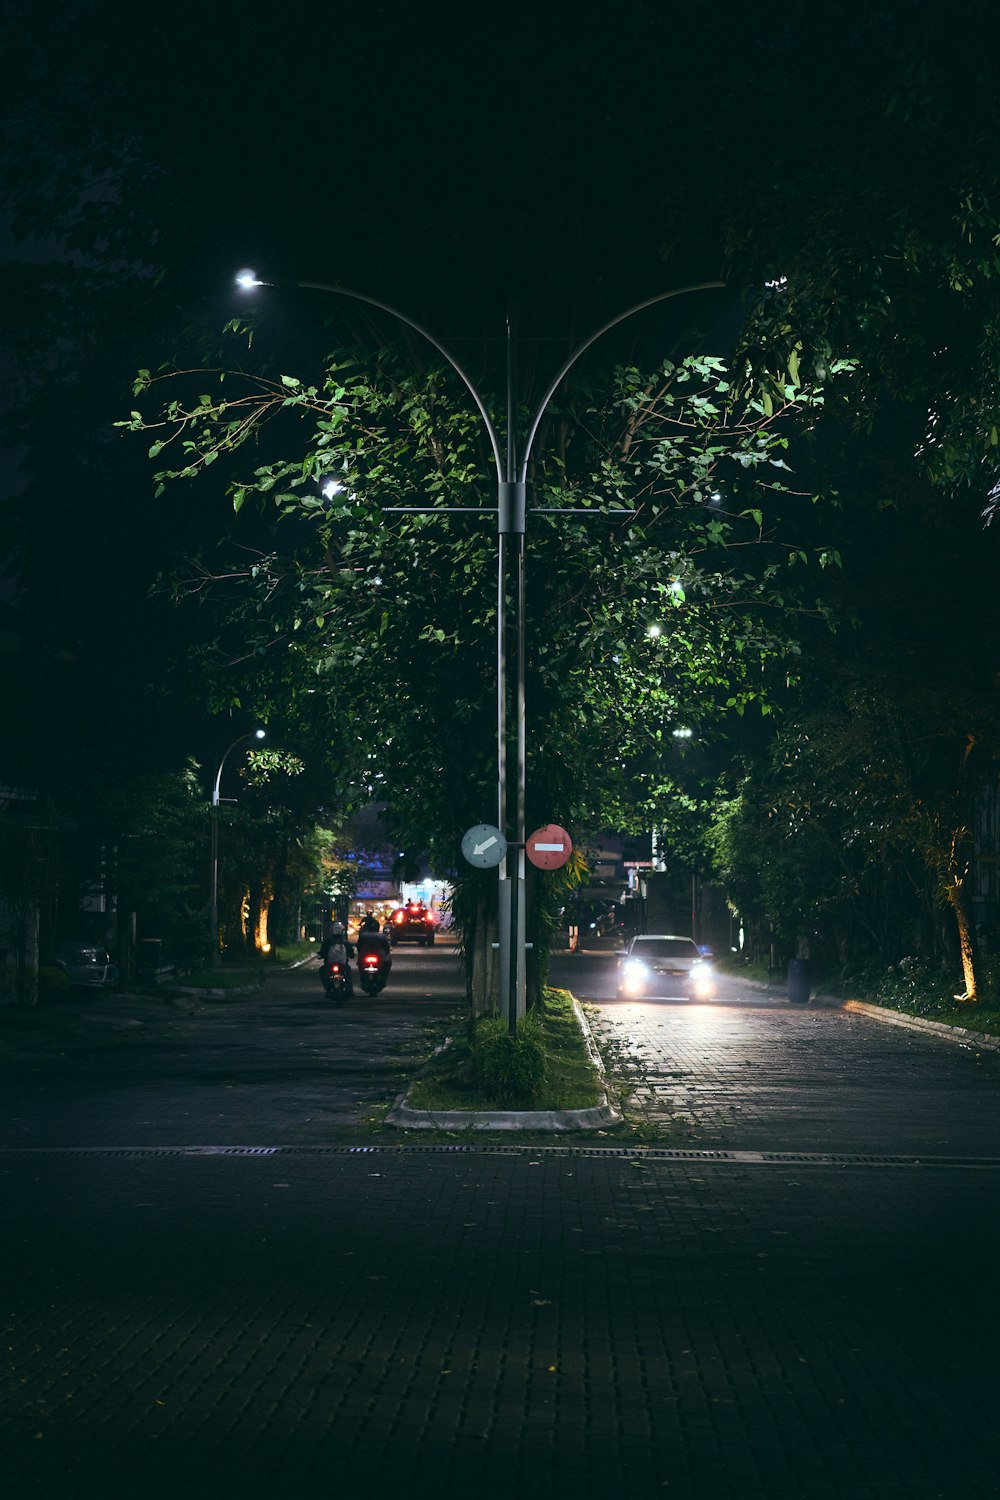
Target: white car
point(658, 963)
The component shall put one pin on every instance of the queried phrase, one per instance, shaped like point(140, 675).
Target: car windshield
point(666, 947)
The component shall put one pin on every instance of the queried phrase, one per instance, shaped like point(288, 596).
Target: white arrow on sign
point(483, 845)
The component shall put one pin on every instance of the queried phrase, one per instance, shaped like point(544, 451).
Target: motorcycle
point(336, 978)
point(373, 970)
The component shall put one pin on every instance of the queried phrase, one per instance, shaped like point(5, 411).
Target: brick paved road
point(499, 1320)
point(495, 1322)
point(749, 1070)
point(281, 1067)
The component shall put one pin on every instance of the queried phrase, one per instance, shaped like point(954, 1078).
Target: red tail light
point(334, 968)
point(370, 960)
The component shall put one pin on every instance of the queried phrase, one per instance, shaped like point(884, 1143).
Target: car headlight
point(634, 977)
point(702, 981)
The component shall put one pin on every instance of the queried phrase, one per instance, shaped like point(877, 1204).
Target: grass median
point(547, 1066)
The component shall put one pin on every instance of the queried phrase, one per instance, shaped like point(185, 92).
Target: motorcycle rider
point(372, 939)
point(336, 948)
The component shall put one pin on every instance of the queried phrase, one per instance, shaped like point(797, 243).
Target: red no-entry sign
point(549, 847)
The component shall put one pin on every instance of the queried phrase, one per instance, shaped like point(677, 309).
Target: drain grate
point(621, 1153)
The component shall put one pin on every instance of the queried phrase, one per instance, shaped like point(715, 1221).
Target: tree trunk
point(259, 903)
point(966, 943)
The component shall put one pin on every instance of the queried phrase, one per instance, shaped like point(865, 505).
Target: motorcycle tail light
point(334, 968)
point(371, 960)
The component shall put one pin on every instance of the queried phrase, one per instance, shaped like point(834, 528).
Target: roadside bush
point(912, 985)
point(510, 1069)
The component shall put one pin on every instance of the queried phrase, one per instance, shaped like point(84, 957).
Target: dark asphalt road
point(312, 1308)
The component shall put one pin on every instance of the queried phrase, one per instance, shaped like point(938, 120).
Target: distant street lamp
point(511, 462)
point(213, 918)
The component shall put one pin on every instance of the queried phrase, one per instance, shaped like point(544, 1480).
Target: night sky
point(447, 158)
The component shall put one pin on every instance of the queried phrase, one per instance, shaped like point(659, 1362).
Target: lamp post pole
point(511, 511)
point(213, 911)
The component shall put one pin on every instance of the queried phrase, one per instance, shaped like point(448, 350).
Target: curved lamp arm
point(677, 291)
point(438, 345)
point(255, 734)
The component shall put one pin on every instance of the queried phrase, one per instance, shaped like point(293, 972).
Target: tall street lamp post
point(511, 463)
point(213, 916)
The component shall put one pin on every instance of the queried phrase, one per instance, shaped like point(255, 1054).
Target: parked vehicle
point(86, 965)
point(657, 964)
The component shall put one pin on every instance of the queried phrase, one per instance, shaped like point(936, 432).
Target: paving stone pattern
point(328, 1314)
point(801, 1079)
point(500, 1321)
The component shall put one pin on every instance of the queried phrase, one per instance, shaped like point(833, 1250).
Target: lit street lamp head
point(247, 279)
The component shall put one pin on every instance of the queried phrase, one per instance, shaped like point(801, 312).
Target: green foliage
point(510, 1069)
point(392, 621)
point(457, 1081)
point(154, 833)
point(855, 819)
point(885, 246)
point(918, 987)
point(293, 952)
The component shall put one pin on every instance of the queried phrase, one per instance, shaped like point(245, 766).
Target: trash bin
point(798, 981)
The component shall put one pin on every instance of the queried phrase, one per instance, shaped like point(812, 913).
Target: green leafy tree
point(700, 532)
point(859, 817)
point(147, 842)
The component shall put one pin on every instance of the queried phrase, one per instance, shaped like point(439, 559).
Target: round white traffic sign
point(483, 845)
point(549, 847)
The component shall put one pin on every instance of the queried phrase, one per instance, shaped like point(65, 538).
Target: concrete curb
point(215, 994)
point(961, 1034)
point(600, 1115)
